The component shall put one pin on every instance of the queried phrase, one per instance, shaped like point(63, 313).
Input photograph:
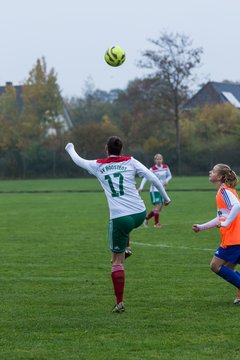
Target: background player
point(163, 173)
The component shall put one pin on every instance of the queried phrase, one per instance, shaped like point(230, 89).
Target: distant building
point(64, 118)
point(18, 89)
point(214, 93)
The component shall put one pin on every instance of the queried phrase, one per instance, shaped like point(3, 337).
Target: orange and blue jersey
point(225, 199)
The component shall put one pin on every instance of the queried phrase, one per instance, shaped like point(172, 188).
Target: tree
point(10, 132)
point(141, 104)
point(173, 62)
point(90, 138)
point(92, 106)
point(43, 105)
point(210, 135)
point(42, 97)
point(9, 119)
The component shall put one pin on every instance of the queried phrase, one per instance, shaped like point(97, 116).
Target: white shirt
point(163, 174)
point(117, 174)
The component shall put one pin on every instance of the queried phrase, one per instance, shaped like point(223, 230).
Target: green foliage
point(42, 100)
point(173, 61)
point(9, 120)
point(32, 138)
point(146, 116)
point(222, 120)
point(212, 132)
point(27, 127)
point(91, 138)
point(93, 106)
point(56, 292)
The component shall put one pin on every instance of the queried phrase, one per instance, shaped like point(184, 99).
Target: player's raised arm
point(78, 160)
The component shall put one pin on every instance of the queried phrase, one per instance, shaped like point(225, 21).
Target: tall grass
point(56, 292)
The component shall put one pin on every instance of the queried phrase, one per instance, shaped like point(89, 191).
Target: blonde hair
point(229, 177)
point(157, 155)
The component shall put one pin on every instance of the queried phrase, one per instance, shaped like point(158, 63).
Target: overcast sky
point(73, 36)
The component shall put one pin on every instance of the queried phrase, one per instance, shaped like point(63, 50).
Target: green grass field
point(56, 292)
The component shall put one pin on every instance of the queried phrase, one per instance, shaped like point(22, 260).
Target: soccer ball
point(115, 56)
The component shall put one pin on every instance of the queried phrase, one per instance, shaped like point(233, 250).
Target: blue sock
point(229, 275)
point(238, 273)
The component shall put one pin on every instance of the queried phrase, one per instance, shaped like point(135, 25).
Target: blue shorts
point(230, 254)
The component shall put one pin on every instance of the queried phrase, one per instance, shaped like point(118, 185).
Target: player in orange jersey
point(227, 255)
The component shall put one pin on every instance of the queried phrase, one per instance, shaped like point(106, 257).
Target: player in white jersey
point(117, 174)
point(163, 173)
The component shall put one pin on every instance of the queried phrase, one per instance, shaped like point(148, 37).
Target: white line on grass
point(174, 224)
point(171, 246)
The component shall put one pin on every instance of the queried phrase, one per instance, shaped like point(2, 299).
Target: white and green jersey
point(117, 177)
point(163, 174)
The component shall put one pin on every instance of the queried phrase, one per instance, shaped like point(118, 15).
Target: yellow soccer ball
point(115, 56)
